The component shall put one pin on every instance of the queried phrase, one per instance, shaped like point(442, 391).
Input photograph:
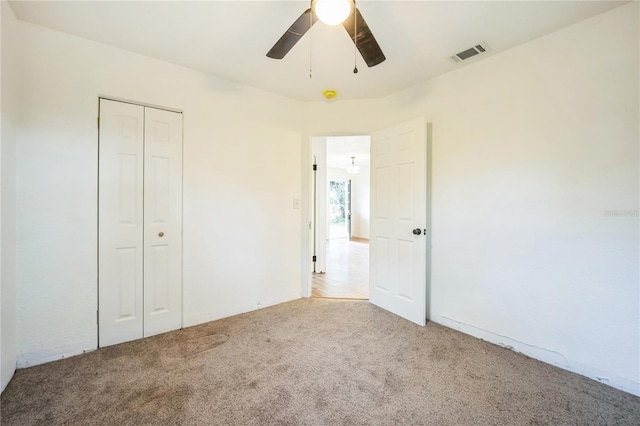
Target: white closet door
point(120, 251)
point(162, 221)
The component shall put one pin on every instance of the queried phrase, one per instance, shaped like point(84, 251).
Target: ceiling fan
point(332, 12)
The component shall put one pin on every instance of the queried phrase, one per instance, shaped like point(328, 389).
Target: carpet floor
point(310, 362)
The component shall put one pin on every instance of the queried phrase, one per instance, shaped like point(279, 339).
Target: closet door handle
point(161, 234)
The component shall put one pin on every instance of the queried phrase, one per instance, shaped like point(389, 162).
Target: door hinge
point(314, 258)
point(98, 122)
point(315, 167)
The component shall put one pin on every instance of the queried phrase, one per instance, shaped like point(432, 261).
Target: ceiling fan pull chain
point(355, 44)
point(310, 44)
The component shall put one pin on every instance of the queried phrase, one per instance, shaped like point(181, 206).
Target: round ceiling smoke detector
point(329, 94)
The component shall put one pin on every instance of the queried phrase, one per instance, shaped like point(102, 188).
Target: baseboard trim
point(545, 355)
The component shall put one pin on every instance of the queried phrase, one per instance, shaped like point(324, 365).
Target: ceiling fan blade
point(293, 34)
point(366, 42)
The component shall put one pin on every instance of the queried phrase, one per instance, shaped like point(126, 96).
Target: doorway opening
point(339, 209)
point(341, 212)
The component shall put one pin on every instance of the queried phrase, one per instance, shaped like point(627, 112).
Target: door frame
point(318, 210)
point(307, 224)
point(318, 205)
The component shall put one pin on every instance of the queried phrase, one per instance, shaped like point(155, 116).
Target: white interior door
point(398, 254)
point(162, 221)
point(139, 222)
point(120, 251)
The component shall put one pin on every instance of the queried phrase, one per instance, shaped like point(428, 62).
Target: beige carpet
point(313, 362)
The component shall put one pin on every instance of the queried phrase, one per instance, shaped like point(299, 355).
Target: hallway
point(347, 275)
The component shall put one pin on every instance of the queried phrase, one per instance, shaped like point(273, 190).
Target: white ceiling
point(340, 149)
point(230, 39)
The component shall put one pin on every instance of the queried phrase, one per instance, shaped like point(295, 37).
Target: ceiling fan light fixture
point(352, 21)
point(353, 168)
point(333, 12)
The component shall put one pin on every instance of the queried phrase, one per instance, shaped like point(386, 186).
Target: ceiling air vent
point(472, 51)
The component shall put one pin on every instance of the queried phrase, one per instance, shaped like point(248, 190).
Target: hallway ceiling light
point(353, 168)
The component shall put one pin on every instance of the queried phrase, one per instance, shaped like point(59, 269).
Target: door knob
point(417, 231)
point(160, 234)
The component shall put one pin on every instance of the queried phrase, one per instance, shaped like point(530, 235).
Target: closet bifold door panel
point(120, 222)
point(162, 221)
point(139, 222)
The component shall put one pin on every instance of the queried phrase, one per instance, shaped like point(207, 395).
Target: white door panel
point(120, 222)
point(162, 222)
point(398, 206)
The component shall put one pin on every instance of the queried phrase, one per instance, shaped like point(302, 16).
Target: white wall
point(241, 174)
point(360, 194)
point(9, 84)
point(532, 148)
